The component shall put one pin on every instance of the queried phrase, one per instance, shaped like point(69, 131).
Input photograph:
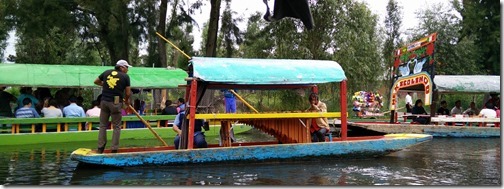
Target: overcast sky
point(244, 8)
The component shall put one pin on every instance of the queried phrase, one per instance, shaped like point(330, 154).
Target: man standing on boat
point(114, 83)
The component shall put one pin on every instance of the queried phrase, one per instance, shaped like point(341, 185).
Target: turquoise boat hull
point(166, 156)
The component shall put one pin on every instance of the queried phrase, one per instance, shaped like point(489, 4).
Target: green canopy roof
point(467, 83)
point(46, 75)
point(266, 71)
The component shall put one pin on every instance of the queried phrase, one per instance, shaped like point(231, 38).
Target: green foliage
point(229, 33)
point(453, 55)
point(345, 31)
point(481, 24)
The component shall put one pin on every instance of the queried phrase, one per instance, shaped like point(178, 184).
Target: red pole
point(343, 94)
point(192, 114)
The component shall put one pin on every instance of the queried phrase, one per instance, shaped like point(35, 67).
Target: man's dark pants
point(109, 109)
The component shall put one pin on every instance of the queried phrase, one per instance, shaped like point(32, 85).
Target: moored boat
point(291, 130)
point(354, 146)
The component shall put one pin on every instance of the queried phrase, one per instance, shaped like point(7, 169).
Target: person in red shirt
point(319, 126)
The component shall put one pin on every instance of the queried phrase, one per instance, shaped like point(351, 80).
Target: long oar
point(174, 46)
point(148, 125)
point(243, 100)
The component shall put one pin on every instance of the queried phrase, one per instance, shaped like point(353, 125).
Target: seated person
point(443, 110)
point(73, 110)
point(168, 110)
point(27, 111)
point(472, 110)
point(418, 109)
point(457, 109)
point(319, 126)
point(199, 137)
point(356, 106)
point(488, 111)
point(52, 111)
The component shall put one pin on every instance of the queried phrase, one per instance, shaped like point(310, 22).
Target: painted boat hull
point(436, 131)
point(83, 136)
point(381, 146)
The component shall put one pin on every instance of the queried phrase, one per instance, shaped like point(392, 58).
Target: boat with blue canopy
point(291, 130)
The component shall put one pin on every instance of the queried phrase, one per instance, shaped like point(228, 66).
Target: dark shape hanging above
point(290, 8)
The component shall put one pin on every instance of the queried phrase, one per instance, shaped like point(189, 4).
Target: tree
point(481, 24)
point(213, 23)
point(453, 55)
point(161, 29)
point(392, 26)
point(229, 32)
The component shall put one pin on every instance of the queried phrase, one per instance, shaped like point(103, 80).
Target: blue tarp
point(266, 71)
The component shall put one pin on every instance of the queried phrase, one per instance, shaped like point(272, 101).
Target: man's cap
point(123, 63)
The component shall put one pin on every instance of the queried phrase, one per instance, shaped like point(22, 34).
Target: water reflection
point(438, 162)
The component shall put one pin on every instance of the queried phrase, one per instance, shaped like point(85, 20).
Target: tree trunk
point(213, 24)
point(161, 29)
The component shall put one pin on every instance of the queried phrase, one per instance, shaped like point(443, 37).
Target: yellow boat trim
point(82, 151)
point(407, 135)
point(268, 115)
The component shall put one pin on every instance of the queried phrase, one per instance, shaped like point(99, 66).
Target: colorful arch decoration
point(422, 78)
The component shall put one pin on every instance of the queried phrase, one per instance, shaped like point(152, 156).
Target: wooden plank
point(44, 128)
point(268, 115)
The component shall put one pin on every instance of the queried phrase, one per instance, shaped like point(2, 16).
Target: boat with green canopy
point(82, 76)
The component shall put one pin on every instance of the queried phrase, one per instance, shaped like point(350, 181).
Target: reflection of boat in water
point(291, 130)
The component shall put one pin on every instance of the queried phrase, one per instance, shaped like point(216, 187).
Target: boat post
point(343, 110)
point(192, 113)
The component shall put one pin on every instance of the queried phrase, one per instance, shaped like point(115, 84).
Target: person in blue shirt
point(26, 92)
point(26, 111)
point(199, 136)
point(229, 101)
point(73, 110)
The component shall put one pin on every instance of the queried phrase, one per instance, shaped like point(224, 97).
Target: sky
point(244, 8)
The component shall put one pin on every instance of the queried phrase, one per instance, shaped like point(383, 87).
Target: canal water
point(442, 161)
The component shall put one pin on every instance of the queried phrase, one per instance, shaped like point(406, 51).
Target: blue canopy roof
point(266, 71)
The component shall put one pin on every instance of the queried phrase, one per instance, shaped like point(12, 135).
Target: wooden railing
point(17, 122)
point(286, 127)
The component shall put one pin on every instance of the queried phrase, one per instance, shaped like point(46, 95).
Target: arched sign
point(422, 78)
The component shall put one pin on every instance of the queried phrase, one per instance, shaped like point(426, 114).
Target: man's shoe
point(100, 150)
point(113, 151)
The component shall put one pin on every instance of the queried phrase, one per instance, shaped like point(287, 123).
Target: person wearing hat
point(114, 83)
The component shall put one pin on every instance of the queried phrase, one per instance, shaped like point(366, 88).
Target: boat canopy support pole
point(192, 112)
point(343, 109)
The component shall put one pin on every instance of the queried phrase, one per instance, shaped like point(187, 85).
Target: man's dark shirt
point(114, 83)
point(5, 99)
point(170, 110)
point(443, 111)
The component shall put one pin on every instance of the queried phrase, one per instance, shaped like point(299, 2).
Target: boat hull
point(383, 145)
point(436, 131)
